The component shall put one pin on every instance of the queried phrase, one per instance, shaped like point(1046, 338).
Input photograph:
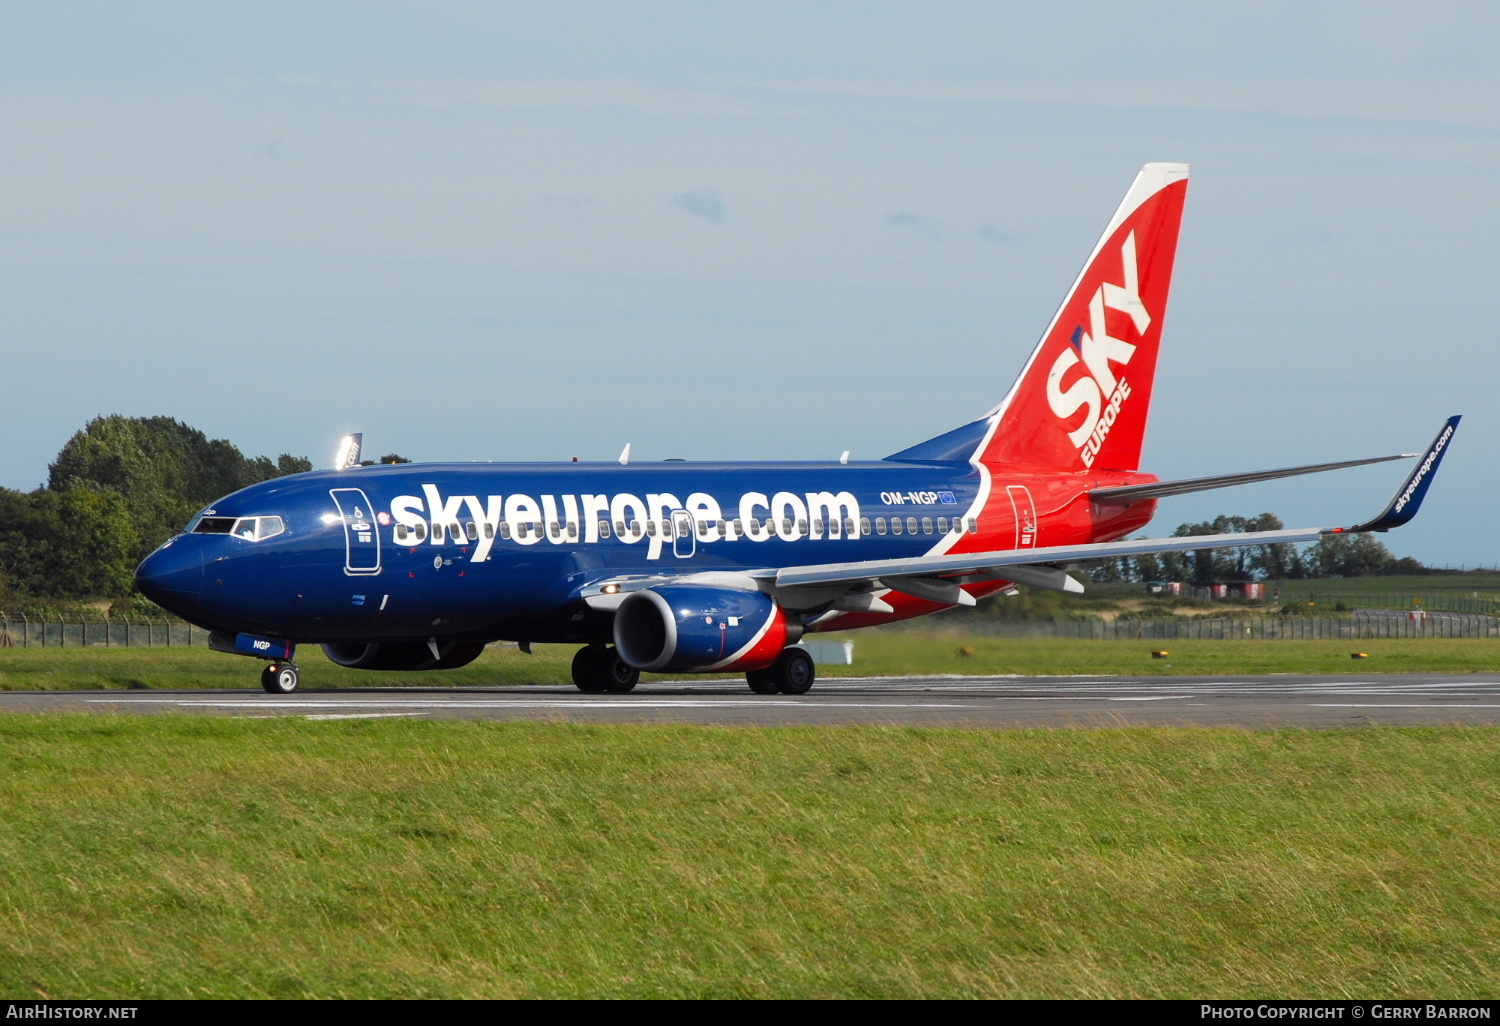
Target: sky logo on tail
point(1098, 389)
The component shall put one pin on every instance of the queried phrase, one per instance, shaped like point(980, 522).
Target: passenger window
point(472, 530)
point(604, 528)
point(651, 528)
point(849, 525)
point(864, 526)
point(437, 533)
point(942, 525)
point(801, 528)
point(926, 525)
point(880, 525)
point(973, 526)
point(755, 524)
point(489, 530)
point(505, 530)
point(911, 525)
point(786, 525)
point(572, 530)
point(635, 528)
point(620, 526)
point(817, 528)
point(554, 530)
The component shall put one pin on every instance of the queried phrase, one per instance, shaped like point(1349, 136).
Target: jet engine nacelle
point(404, 655)
point(698, 628)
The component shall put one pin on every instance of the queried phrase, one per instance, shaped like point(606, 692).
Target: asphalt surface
point(1280, 700)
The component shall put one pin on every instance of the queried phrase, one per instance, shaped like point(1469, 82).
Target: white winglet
point(348, 454)
point(625, 455)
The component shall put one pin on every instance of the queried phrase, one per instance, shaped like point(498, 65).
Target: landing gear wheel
point(619, 676)
point(588, 669)
point(597, 669)
point(280, 678)
point(762, 682)
point(793, 672)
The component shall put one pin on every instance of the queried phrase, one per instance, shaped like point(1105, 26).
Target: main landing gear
point(792, 673)
point(280, 678)
point(597, 669)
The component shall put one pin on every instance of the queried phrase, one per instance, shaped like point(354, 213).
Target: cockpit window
point(214, 525)
point(248, 528)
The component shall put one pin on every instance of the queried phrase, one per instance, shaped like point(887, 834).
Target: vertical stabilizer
point(1081, 401)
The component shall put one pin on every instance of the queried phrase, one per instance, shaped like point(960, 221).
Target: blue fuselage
point(502, 550)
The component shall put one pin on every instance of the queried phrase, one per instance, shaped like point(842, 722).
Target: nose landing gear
point(280, 678)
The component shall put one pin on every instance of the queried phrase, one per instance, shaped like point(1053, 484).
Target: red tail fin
point(1082, 399)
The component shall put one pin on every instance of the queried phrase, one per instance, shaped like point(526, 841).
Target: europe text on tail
point(712, 567)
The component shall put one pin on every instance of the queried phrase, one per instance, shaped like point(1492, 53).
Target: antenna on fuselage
point(348, 454)
point(625, 455)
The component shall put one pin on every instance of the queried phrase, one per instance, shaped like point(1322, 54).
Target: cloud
point(993, 233)
point(705, 203)
point(905, 220)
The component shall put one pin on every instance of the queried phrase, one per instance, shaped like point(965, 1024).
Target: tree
point(1350, 555)
point(164, 470)
point(71, 544)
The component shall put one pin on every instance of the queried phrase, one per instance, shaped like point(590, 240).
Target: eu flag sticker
point(947, 498)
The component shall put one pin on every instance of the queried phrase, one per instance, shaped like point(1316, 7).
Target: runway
point(1274, 701)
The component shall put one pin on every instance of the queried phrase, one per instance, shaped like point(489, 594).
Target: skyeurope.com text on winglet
point(1408, 498)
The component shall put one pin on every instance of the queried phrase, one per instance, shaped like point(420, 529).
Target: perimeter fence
point(1354, 626)
point(18, 630)
point(1432, 602)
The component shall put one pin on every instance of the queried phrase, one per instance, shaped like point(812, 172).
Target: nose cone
point(172, 576)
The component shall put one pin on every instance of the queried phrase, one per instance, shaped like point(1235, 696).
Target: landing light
point(610, 589)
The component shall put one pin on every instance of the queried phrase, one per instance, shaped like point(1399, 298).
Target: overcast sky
point(536, 231)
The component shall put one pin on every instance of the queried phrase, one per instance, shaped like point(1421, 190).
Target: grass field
point(876, 653)
point(215, 857)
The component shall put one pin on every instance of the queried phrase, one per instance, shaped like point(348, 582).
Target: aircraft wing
point(856, 586)
point(939, 577)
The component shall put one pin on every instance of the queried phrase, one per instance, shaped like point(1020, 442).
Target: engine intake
point(701, 629)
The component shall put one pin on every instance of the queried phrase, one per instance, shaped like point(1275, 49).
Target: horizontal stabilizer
point(1126, 494)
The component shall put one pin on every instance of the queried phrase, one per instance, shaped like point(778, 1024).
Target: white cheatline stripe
point(1400, 705)
point(624, 703)
point(745, 649)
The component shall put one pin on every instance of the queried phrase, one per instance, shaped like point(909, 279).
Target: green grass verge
point(877, 653)
point(216, 857)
